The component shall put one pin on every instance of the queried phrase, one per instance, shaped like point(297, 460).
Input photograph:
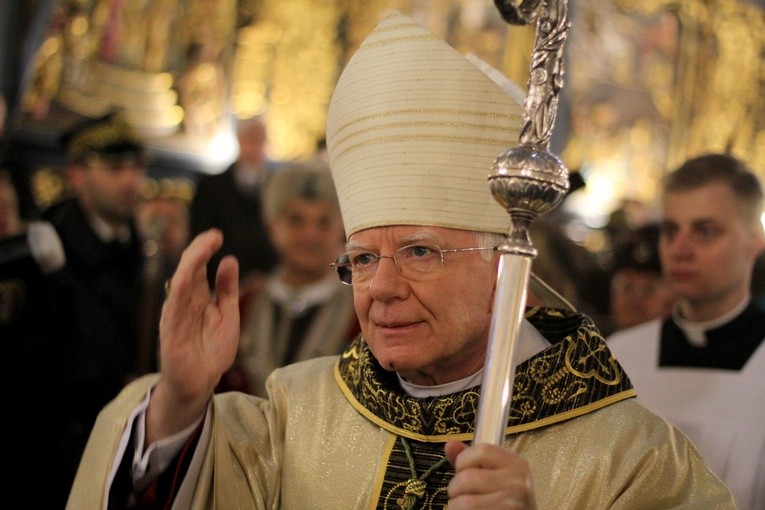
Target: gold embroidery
point(575, 372)
point(574, 376)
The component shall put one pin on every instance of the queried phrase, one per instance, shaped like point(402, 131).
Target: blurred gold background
point(648, 83)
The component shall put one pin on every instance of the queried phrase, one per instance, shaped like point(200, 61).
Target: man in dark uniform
point(90, 309)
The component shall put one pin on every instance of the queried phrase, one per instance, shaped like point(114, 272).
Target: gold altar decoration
point(700, 85)
point(720, 77)
point(654, 82)
point(691, 100)
point(286, 66)
point(152, 59)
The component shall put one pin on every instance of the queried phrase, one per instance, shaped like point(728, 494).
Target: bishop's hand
point(198, 335)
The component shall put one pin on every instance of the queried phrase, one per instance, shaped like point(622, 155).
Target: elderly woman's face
point(308, 234)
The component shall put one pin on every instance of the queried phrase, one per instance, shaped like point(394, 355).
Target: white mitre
point(413, 131)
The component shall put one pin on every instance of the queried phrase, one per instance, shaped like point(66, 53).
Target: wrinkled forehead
point(402, 235)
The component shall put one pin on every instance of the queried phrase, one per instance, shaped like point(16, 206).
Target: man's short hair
point(725, 168)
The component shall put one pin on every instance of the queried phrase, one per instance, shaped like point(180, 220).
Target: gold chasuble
point(575, 376)
point(341, 433)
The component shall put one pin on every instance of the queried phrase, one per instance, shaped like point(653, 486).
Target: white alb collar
point(695, 332)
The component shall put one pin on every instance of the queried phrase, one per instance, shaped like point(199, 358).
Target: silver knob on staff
point(527, 181)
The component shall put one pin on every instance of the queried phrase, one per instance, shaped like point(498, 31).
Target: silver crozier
point(527, 181)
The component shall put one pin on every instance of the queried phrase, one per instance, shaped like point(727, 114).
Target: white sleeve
point(149, 464)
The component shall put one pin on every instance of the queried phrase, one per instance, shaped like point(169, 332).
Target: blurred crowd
point(117, 236)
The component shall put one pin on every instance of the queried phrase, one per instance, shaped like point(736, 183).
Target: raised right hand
point(198, 335)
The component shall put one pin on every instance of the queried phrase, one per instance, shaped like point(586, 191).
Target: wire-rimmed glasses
point(414, 262)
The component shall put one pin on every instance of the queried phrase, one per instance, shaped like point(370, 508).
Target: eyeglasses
point(414, 262)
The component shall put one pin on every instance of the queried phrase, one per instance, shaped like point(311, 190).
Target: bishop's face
point(432, 330)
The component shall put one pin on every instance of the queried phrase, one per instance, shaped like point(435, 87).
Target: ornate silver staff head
point(529, 180)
